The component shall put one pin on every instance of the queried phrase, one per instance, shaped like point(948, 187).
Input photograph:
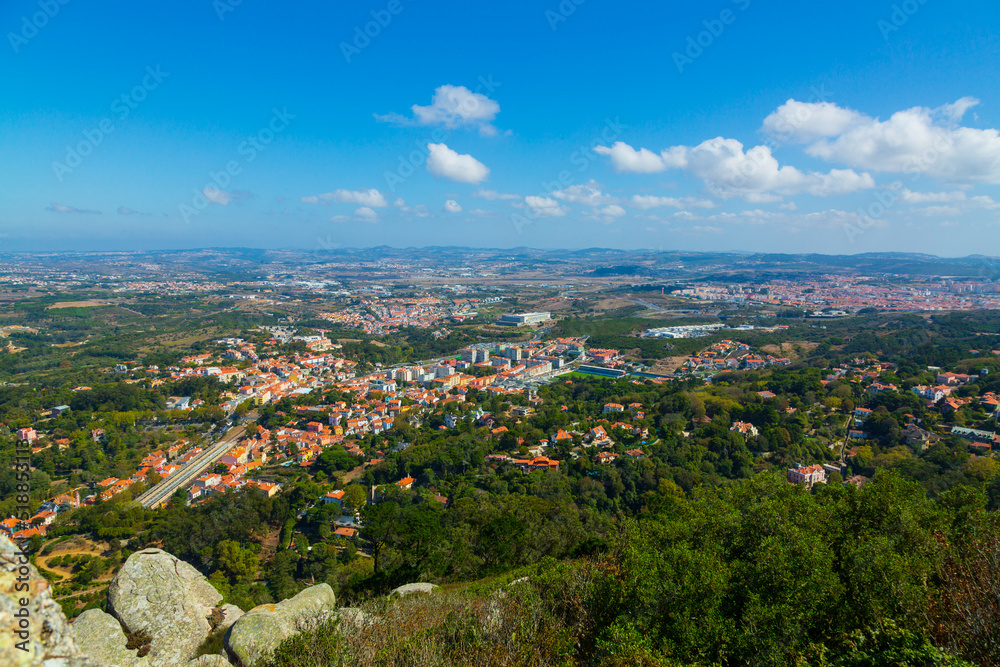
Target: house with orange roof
point(808, 475)
point(10, 525)
point(28, 533)
point(561, 435)
point(268, 489)
point(598, 435)
point(334, 497)
point(406, 483)
point(536, 463)
point(745, 428)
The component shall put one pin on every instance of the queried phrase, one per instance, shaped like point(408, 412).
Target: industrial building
point(516, 320)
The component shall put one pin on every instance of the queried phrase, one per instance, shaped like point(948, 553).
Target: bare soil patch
point(90, 303)
point(667, 366)
point(790, 349)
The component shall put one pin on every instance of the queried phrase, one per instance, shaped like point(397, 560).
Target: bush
point(511, 626)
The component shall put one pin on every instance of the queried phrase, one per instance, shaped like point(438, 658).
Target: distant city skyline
point(735, 125)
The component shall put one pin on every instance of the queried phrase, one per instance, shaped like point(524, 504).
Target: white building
point(516, 320)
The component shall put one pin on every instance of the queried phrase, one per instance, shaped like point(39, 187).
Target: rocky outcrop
point(227, 614)
point(37, 632)
point(158, 604)
point(260, 630)
point(410, 589)
point(101, 637)
point(162, 596)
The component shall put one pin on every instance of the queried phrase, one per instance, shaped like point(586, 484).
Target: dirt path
point(269, 545)
point(43, 561)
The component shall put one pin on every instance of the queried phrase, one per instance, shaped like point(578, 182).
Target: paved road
point(847, 437)
point(651, 308)
point(194, 468)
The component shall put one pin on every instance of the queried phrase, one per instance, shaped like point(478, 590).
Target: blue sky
point(725, 125)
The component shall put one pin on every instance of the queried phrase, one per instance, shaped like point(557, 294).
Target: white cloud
point(452, 206)
point(217, 196)
point(124, 210)
point(918, 140)
point(938, 210)
point(984, 202)
point(452, 107)
point(493, 195)
point(624, 158)
point(646, 202)
point(727, 171)
point(588, 194)
point(545, 207)
point(781, 220)
point(755, 175)
point(614, 211)
point(910, 197)
point(808, 121)
point(446, 163)
point(371, 198)
point(366, 213)
point(62, 208)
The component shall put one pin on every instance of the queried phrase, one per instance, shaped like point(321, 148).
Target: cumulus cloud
point(613, 211)
point(624, 158)
point(366, 213)
point(917, 140)
point(588, 194)
point(493, 195)
point(807, 121)
point(728, 171)
point(545, 207)
point(217, 196)
point(452, 107)
point(371, 198)
point(452, 206)
point(62, 208)
point(446, 163)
